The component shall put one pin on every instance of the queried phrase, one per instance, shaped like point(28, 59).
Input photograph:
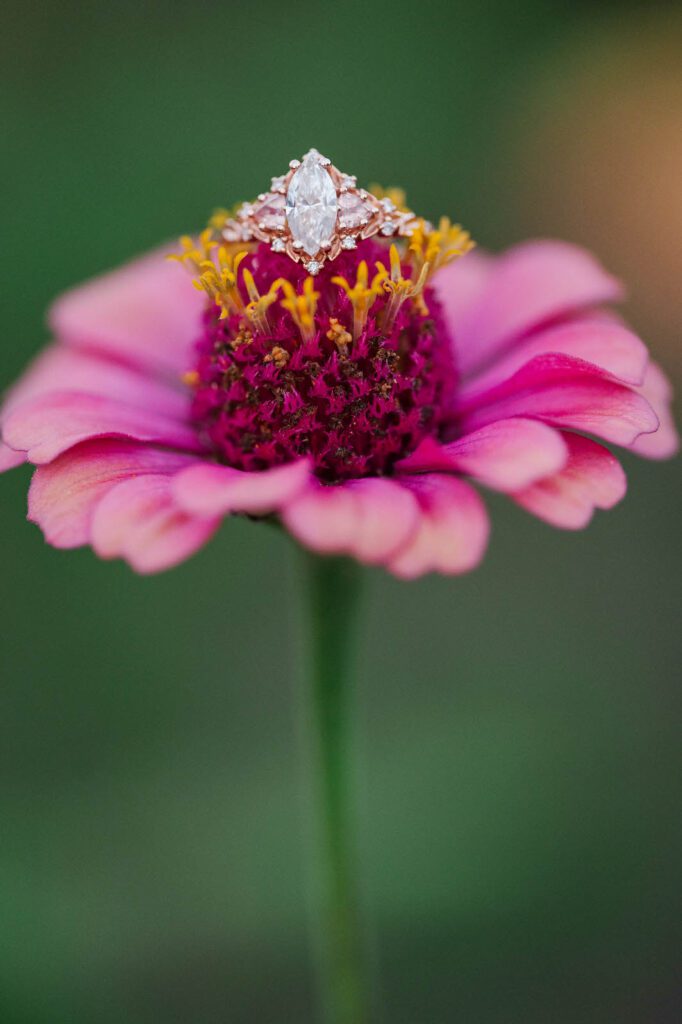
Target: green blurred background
point(520, 812)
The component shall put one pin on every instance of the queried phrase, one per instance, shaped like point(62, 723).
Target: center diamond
point(312, 206)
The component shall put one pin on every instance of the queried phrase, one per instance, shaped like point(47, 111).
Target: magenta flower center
point(309, 377)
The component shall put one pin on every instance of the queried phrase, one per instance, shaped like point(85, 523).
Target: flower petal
point(9, 458)
point(369, 518)
point(206, 489)
point(64, 494)
point(664, 442)
point(459, 287)
point(506, 455)
point(563, 392)
point(592, 478)
point(606, 344)
point(44, 427)
point(528, 286)
point(453, 528)
point(146, 312)
point(60, 368)
point(137, 520)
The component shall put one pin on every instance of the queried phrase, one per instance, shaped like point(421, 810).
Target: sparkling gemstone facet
point(353, 211)
point(270, 213)
point(311, 205)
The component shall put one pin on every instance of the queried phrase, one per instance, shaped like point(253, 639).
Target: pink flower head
point(363, 407)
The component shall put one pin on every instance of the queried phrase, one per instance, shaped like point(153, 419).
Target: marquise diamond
point(312, 205)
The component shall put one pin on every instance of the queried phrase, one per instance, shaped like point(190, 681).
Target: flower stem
point(333, 592)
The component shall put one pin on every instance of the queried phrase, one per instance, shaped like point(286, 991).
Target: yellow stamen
point(190, 378)
point(257, 308)
point(400, 289)
point(195, 251)
point(363, 294)
point(218, 219)
point(436, 248)
point(301, 307)
point(219, 281)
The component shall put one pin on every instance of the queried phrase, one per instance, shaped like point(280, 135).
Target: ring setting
point(314, 212)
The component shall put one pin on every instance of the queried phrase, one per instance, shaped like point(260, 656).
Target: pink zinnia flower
point(363, 408)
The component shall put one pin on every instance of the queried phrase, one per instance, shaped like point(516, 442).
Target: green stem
point(333, 591)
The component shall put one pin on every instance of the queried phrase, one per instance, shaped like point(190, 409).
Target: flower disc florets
point(350, 368)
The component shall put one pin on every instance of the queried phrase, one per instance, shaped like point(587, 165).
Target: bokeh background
point(520, 812)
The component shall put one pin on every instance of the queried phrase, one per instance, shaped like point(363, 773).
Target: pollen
point(242, 337)
point(339, 335)
point(279, 356)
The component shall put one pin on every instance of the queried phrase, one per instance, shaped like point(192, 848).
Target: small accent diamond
point(388, 229)
point(278, 245)
point(313, 267)
point(277, 184)
point(349, 243)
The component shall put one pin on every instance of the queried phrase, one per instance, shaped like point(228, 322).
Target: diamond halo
point(314, 212)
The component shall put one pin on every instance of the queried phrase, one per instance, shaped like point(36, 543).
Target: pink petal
point(453, 528)
point(9, 459)
point(592, 478)
point(64, 494)
point(528, 286)
point(606, 344)
point(563, 392)
point(368, 519)
point(146, 312)
point(59, 368)
point(137, 520)
point(506, 455)
point(461, 284)
point(46, 426)
point(206, 489)
point(664, 442)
